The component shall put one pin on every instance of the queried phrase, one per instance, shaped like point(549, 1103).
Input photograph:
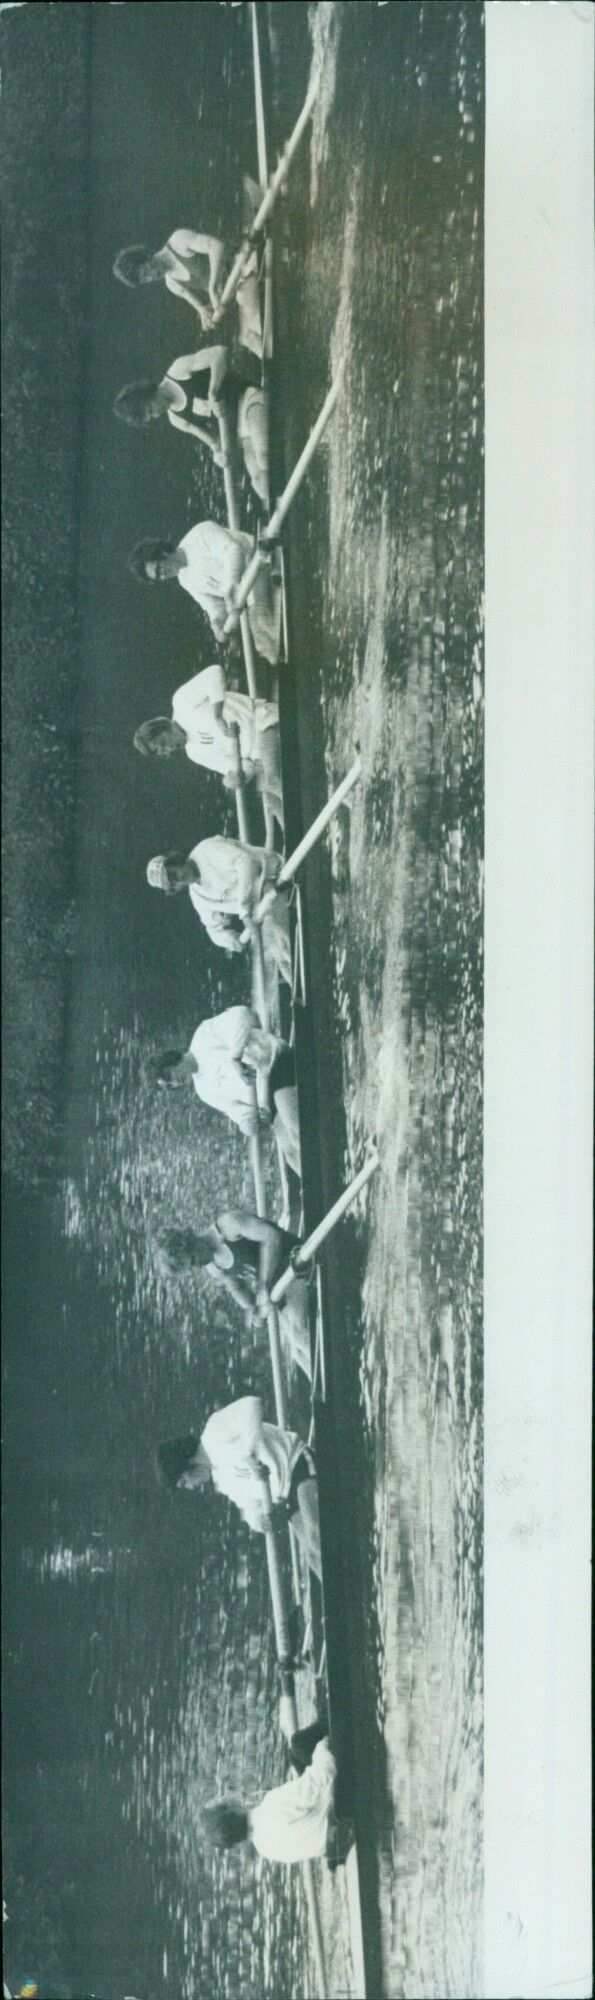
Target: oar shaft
point(233, 516)
point(316, 1938)
point(263, 175)
point(282, 1642)
point(278, 1597)
point(272, 1316)
point(299, 470)
point(226, 442)
point(266, 206)
point(275, 1350)
point(320, 824)
point(260, 972)
point(284, 503)
point(314, 833)
point(242, 809)
point(261, 137)
point(329, 1222)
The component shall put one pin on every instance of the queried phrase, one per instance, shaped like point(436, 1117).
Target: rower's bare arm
point(183, 291)
point(236, 1222)
point(196, 430)
point(231, 1223)
point(238, 1291)
point(276, 1244)
point(194, 243)
point(192, 364)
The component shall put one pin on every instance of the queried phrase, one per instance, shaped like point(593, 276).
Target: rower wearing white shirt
point(221, 1063)
point(223, 730)
point(292, 1822)
point(209, 563)
point(206, 709)
point(267, 1472)
point(225, 879)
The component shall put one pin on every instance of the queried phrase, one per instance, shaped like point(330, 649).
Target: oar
point(266, 206)
point(226, 440)
point(314, 833)
point(263, 175)
point(271, 532)
point(308, 1250)
point(304, 847)
point(284, 1656)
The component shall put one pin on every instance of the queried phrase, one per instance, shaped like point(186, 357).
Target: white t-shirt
point(217, 1046)
point(292, 1822)
point(215, 560)
point(232, 1438)
point(231, 872)
point(192, 708)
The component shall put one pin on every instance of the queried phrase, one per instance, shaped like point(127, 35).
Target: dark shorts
point(243, 371)
point(303, 1744)
point(282, 1071)
point(303, 1469)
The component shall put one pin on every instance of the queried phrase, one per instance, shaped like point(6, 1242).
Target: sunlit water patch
point(393, 525)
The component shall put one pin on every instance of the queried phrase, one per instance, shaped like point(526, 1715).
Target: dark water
point(138, 1663)
point(136, 1640)
point(387, 562)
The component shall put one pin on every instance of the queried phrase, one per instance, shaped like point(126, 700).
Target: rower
point(194, 267)
point(293, 1821)
point(246, 1254)
point(267, 1472)
point(210, 562)
point(225, 879)
point(223, 731)
point(210, 385)
point(222, 1062)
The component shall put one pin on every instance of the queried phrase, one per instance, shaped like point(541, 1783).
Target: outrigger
point(266, 1002)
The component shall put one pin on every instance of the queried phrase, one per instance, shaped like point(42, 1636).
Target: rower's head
point(136, 266)
point(156, 560)
point(181, 1464)
point(159, 738)
point(224, 1823)
point(171, 872)
point(180, 1250)
point(141, 403)
point(175, 1068)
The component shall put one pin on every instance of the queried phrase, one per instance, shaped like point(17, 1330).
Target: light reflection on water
point(394, 526)
point(390, 277)
point(190, 1690)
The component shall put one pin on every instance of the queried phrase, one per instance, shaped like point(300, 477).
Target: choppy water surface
point(391, 269)
point(158, 1675)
